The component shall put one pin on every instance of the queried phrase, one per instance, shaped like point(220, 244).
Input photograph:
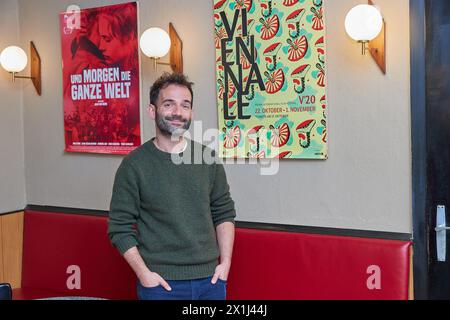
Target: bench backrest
point(56, 245)
point(283, 265)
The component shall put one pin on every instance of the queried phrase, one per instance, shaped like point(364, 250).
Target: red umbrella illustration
point(219, 4)
point(275, 81)
point(241, 4)
point(304, 132)
point(271, 55)
point(219, 62)
point(266, 5)
point(270, 27)
point(299, 76)
point(284, 155)
point(258, 155)
point(320, 49)
point(254, 136)
point(231, 88)
point(289, 3)
point(244, 62)
point(293, 21)
point(323, 102)
point(297, 49)
point(317, 19)
point(219, 23)
point(280, 135)
point(232, 137)
point(320, 42)
point(220, 67)
point(321, 75)
point(219, 34)
point(232, 107)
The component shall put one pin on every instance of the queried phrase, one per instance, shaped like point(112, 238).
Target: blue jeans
point(197, 289)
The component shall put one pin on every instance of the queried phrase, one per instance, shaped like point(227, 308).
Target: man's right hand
point(152, 280)
point(147, 278)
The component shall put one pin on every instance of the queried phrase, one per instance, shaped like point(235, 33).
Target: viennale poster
point(101, 79)
point(270, 74)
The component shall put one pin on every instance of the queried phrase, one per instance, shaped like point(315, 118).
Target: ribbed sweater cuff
point(224, 219)
point(125, 244)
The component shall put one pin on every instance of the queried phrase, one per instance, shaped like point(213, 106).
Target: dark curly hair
point(167, 79)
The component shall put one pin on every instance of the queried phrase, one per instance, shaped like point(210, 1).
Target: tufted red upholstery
point(53, 242)
point(266, 264)
point(291, 266)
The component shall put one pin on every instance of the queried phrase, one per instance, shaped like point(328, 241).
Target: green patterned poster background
point(270, 77)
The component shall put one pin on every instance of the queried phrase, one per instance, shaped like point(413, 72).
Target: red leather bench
point(266, 264)
point(55, 241)
point(297, 266)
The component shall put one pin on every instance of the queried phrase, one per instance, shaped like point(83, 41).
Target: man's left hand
point(221, 272)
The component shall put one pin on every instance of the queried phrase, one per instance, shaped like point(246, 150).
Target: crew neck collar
point(167, 155)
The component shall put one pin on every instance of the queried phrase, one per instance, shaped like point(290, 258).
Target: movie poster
point(101, 79)
point(271, 78)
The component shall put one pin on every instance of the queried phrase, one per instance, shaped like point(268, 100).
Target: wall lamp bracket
point(365, 24)
point(13, 59)
point(156, 43)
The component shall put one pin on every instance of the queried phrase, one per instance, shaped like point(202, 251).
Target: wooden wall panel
point(411, 274)
point(12, 243)
point(1, 252)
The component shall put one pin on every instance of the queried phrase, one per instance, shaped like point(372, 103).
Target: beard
point(168, 129)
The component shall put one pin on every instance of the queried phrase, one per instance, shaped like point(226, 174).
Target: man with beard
point(173, 223)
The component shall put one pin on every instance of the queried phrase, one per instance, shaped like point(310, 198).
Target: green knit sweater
point(170, 210)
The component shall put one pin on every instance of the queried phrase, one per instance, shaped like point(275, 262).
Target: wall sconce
point(13, 59)
point(155, 43)
point(365, 24)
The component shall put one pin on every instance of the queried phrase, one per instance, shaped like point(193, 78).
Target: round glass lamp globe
point(155, 43)
point(13, 59)
point(363, 22)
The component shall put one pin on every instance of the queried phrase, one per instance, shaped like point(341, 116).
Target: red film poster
point(101, 79)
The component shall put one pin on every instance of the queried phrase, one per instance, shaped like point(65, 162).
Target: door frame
point(419, 148)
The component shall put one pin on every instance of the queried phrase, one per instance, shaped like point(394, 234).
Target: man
point(182, 244)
